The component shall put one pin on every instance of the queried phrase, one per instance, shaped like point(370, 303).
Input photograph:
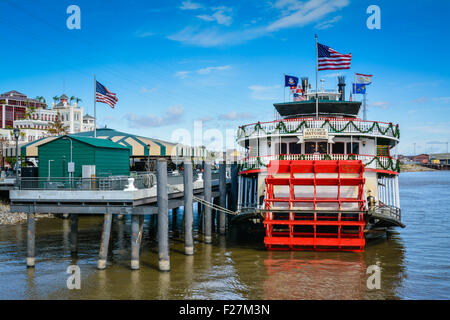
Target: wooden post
point(73, 233)
point(207, 197)
point(188, 208)
point(223, 194)
point(163, 215)
point(105, 241)
point(234, 187)
point(137, 224)
point(31, 239)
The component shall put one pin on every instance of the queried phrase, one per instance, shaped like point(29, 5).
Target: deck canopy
point(327, 108)
point(139, 145)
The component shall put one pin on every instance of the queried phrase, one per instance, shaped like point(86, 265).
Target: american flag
point(330, 59)
point(103, 95)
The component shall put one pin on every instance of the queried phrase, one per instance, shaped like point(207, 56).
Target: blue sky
point(172, 62)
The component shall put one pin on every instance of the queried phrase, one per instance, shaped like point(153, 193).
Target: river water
point(414, 262)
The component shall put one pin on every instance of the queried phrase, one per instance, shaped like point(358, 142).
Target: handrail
point(334, 126)
point(370, 161)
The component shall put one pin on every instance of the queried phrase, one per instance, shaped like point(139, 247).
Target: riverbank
point(8, 218)
point(414, 168)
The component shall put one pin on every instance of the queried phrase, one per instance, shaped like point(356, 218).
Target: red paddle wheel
point(315, 205)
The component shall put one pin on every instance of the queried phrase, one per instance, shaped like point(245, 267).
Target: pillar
point(223, 195)
point(207, 197)
point(163, 216)
point(188, 206)
point(105, 241)
point(31, 239)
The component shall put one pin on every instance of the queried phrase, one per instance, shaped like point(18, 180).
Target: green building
point(109, 158)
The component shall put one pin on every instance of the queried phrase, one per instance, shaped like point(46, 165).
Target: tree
point(55, 99)
point(78, 100)
point(29, 112)
point(71, 99)
point(57, 127)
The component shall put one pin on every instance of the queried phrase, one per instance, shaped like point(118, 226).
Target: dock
point(75, 197)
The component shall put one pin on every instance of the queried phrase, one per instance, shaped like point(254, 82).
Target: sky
point(174, 62)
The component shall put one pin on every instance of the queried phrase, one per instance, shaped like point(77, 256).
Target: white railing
point(370, 161)
point(334, 126)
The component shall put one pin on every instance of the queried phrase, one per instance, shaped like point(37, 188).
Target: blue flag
point(359, 88)
point(290, 81)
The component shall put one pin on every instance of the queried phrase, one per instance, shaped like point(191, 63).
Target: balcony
point(370, 161)
point(335, 126)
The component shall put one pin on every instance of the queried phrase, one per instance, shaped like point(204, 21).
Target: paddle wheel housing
point(315, 205)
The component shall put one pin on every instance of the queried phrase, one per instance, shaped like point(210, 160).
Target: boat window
point(322, 147)
point(310, 147)
point(281, 148)
point(354, 150)
point(339, 148)
point(295, 148)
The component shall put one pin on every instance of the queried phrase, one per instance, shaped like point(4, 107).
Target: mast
point(317, 71)
point(95, 107)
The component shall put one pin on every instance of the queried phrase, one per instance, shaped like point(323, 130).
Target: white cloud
point(208, 70)
point(202, 71)
point(182, 74)
point(298, 14)
point(291, 14)
point(172, 115)
point(264, 92)
point(327, 24)
point(189, 5)
point(220, 16)
point(147, 90)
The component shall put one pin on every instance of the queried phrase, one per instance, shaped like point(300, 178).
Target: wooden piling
point(105, 241)
point(223, 195)
point(207, 197)
point(74, 233)
point(233, 200)
point(137, 225)
point(188, 208)
point(31, 239)
point(163, 215)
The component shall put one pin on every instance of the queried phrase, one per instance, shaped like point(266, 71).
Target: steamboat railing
point(370, 161)
point(334, 126)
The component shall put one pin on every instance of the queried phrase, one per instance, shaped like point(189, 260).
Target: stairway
point(315, 205)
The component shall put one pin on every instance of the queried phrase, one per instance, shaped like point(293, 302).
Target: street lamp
point(49, 162)
point(16, 133)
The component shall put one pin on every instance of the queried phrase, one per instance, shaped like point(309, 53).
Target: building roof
point(95, 142)
point(440, 156)
point(138, 144)
point(88, 116)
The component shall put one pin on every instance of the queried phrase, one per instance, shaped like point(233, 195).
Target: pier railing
point(334, 126)
point(370, 161)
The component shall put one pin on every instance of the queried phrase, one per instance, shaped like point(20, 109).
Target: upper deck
point(334, 126)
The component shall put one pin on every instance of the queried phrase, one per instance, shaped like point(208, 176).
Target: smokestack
point(341, 86)
point(305, 84)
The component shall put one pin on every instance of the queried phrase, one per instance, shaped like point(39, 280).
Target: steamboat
point(318, 177)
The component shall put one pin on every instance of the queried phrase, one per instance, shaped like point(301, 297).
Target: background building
point(13, 106)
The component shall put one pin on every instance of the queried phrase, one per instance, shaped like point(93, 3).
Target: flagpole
point(284, 87)
point(95, 107)
point(317, 71)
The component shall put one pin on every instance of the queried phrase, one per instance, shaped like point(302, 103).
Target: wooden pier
point(154, 201)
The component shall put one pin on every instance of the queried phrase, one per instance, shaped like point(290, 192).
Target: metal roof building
point(139, 145)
